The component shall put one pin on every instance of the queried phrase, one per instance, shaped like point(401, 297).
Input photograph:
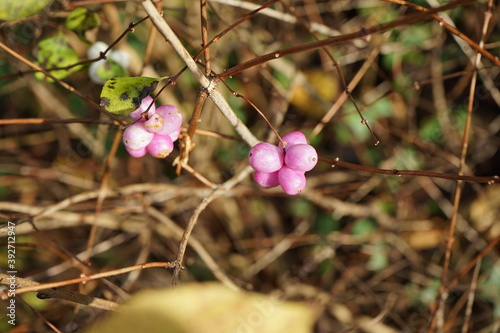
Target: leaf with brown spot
point(124, 94)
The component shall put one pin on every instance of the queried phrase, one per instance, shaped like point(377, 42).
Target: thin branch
point(414, 173)
point(341, 75)
point(102, 194)
point(186, 144)
point(478, 47)
point(235, 24)
point(237, 94)
point(66, 295)
point(201, 207)
point(62, 83)
point(458, 190)
point(197, 246)
point(204, 35)
point(283, 17)
point(26, 121)
point(470, 301)
point(360, 34)
point(50, 285)
point(210, 85)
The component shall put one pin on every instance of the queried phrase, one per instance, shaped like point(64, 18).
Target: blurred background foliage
point(366, 249)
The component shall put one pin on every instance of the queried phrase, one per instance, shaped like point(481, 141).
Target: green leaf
point(363, 226)
point(378, 257)
point(81, 20)
point(206, 307)
point(110, 69)
point(124, 94)
point(56, 52)
point(11, 10)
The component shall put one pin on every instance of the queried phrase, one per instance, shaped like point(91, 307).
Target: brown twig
point(458, 190)
point(150, 44)
point(234, 25)
point(478, 47)
point(187, 144)
point(194, 217)
point(102, 194)
point(66, 295)
point(360, 34)
point(414, 173)
point(26, 121)
point(204, 35)
point(205, 82)
point(263, 116)
point(50, 285)
point(60, 82)
point(470, 300)
point(340, 74)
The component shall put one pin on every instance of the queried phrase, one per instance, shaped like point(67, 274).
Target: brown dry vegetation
point(372, 251)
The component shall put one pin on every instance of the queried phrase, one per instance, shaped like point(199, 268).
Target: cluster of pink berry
point(154, 135)
point(283, 165)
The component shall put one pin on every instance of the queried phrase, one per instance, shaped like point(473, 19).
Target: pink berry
point(146, 102)
point(293, 138)
point(291, 181)
point(174, 135)
point(137, 153)
point(136, 137)
point(302, 157)
point(266, 180)
point(172, 119)
point(154, 124)
point(266, 157)
point(161, 146)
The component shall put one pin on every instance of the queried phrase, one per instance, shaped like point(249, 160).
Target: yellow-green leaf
point(124, 94)
point(11, 10)
point(206, 308)
point(56, 52)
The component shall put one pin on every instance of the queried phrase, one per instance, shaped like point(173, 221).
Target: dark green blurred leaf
point(430, 130)
point(325, 223)
point(300, 208)
point(363, 226)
